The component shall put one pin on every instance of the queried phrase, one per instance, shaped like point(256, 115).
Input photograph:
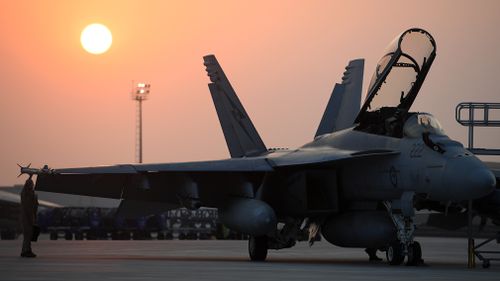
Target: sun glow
point(96, 38)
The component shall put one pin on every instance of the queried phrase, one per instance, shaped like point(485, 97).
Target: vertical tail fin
point(344, 103)
point(241, 136)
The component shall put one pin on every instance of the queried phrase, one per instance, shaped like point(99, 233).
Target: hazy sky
point(64, 107)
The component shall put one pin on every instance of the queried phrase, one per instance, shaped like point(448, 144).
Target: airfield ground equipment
point(471, 115)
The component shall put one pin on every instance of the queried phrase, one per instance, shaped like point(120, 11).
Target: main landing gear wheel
point(414, 254)
point(257, 248)
point(395, 254)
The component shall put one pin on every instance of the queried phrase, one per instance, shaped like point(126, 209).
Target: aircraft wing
point(168, 182)
point(212, 181)
point(226, 165)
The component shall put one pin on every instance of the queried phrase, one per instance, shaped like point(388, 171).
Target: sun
point(96, 38)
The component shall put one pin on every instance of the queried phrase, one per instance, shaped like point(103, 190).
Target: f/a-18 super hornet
point(357, 183)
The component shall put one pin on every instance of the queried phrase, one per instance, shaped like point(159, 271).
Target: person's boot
point(29, 254)
point(372, 254)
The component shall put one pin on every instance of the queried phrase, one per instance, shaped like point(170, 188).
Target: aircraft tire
point(414, 254)
point(395, 254)
point(257, 248)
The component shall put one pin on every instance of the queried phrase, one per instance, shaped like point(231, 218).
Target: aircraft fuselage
point(452, 175)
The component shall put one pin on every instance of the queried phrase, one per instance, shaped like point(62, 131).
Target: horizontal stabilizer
point(345, 100)
point(241, 136)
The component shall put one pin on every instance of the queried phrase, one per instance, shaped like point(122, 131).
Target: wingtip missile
point(33, 171)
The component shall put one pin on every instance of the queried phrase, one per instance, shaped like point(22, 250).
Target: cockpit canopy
point(400, 73)
point(420, 123)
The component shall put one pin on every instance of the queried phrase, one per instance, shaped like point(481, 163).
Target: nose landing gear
point(415, 254)
point(402, 214)
point(395, 254)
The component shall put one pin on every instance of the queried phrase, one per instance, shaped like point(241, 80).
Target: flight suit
point(29, 207)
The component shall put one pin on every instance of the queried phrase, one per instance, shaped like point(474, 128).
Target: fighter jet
point(356, 183)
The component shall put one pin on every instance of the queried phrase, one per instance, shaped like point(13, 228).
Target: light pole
point(140, 92)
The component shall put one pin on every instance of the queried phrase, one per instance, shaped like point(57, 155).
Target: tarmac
point(445, 259)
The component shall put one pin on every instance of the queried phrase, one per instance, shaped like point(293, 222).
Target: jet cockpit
point(396, 82)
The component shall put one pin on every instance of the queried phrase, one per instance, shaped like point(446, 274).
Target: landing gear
point(257, 248)
point(395, 253)
point(403, 216)
point(415, 254)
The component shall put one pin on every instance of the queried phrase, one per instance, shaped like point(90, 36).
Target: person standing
point(29, 207)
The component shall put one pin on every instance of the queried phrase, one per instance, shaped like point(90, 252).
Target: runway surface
point(445, 259)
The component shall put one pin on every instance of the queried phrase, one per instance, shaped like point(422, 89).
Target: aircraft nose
point(481, 181)
point(468, 179)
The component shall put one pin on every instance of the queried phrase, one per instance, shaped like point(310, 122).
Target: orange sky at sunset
point(64, 107)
